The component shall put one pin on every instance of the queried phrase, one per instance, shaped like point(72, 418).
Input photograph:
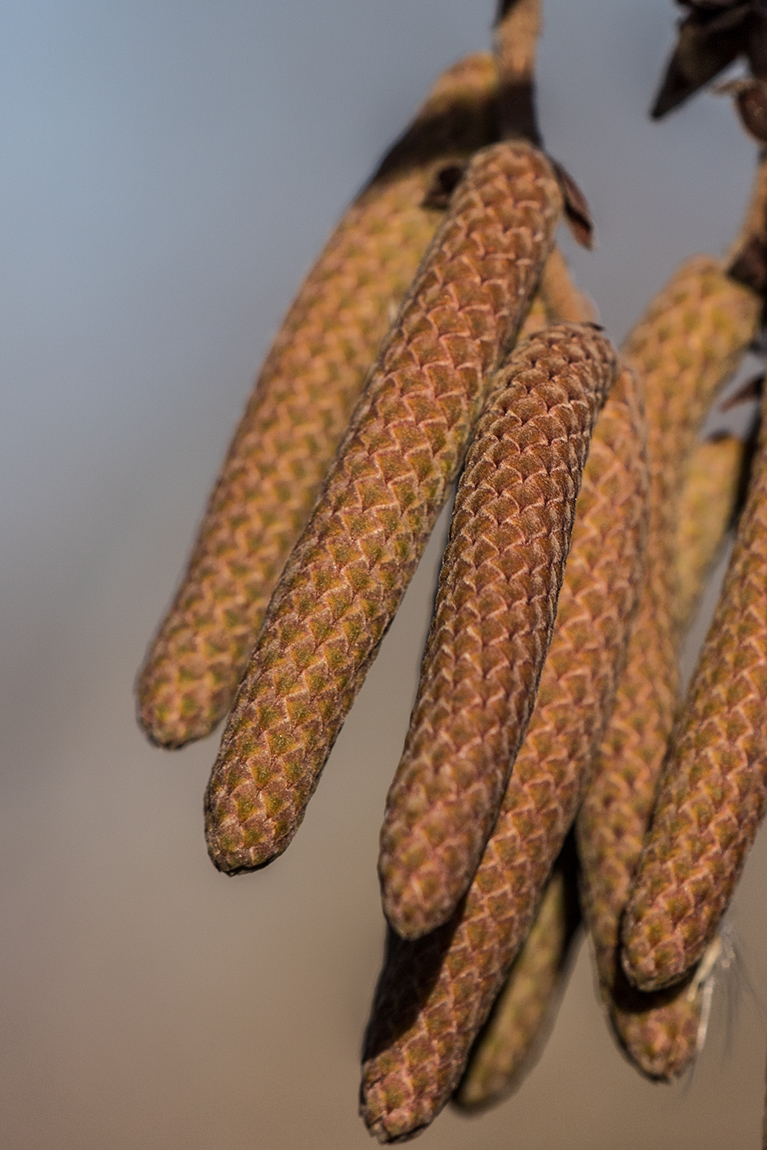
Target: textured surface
point(348, 572)
point(686, 345)
point(706, 511)
point(495, 610)
point(299, 410)
point(510, 1041)
point(435, 993)
point(713, 793)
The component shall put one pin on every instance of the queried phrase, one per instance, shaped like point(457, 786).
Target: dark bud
point(747, 393)
point(757, 44)
point(751, 102)
point(577, 210)
point(703, 50)
point(750, 266)
point(445, 181)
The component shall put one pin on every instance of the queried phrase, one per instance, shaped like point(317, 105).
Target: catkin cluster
point(553, 778)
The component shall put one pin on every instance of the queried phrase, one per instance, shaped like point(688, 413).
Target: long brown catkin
point(714, 787)
point(435, 993)
point(689, 341)
point(523, 1013)
point(348, 572)
point(299, 410)
point(511, 1040)
point(661, 1032)
point(495, 610)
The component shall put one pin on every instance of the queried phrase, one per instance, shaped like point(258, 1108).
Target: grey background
point(169, 170)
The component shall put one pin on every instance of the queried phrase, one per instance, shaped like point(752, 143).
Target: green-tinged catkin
point(513, 1037)
point(346, 576)
point(687, 344)
point(714, 787)
point(707, 509)
point(300, 409)
point(496, 604)
point(435, 993)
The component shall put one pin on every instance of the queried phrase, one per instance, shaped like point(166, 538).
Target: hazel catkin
point(383, 493)
point(299, 410)
point(495, 610)
point(434, 993)
point(714, 788)
point(685, 346)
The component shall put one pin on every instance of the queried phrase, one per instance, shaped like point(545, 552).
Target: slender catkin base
point(687, 344)
point(435, 993)
point(495, 610)
point(299, 410)
point(348, 572)
point(714, 787)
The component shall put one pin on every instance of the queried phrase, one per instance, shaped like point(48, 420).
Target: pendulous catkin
point(514, 1035)
point(661, 1032)
point(496, 604)
point(714, 788)
point(686, 345)
point(347, 574)
point(299, 410)
point(435, 993)
point(509, 1043)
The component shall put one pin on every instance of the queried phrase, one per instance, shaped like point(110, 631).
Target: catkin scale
point(513, 1036)
point(707, 507)
point(346, 575)
point(495, 610)
point(686, 345)
point(299, 411)
point(435, 993)
point(714, 785)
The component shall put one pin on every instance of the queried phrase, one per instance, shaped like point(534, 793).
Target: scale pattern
point(707, 510)
point(513, 1036)
point(435, 993)
point(687, 344)
point(298, 412)
point(714, 789)
point(496, 604)
point(391, 476)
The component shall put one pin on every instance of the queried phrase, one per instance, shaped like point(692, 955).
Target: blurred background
point(169, 171)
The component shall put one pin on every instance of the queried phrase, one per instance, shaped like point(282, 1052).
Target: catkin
point(299, 410)
point(509, 1043)
point(689, 341)
point(347, 574)
point(714, 788)
point(707, 508)
point(435, 993)
point(661, 1032)
point(495, 610)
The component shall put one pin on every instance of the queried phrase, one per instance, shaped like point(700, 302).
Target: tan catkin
point(714, 785)
point(346, 576)
point(509, 1043)
point(299, 410)
point(687, 344)
point(494, 614)
point(435, 993)
point(707, 508)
